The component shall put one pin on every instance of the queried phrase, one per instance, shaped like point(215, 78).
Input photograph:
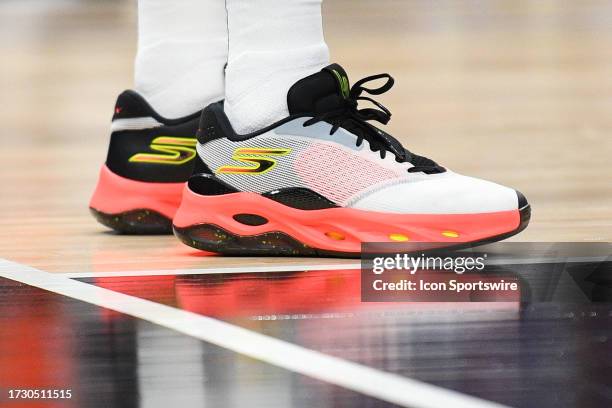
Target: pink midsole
point(314, 227)
point(115, 194)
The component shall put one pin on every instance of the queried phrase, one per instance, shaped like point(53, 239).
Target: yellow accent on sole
point(335, 236)
point(399, 237)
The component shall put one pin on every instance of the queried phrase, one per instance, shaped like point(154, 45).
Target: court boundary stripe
point(300, 268)
point(214, 271)
point(356, 377)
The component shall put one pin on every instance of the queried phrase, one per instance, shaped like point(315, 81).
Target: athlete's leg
point(315, 176)
point(272, 44)
point(182, 50)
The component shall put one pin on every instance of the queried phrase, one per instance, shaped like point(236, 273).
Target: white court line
point(215, 271)
point(366, 380)
point(299, 268)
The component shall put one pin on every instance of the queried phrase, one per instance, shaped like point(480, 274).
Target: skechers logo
point(173, 151)
point(343, 82)
point(256, 160)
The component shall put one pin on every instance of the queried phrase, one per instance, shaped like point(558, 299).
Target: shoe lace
point(350, 117)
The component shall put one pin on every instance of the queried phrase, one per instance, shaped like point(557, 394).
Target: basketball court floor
point(519, 92)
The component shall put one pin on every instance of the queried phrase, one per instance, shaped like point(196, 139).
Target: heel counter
point(131, 105)
point(209, 128)
point(147, 147)
point(206, 126)
point(130, 113)
point(203, 180)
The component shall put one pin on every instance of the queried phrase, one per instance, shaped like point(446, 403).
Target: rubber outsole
point(212, 238)
point(135, 222)
point(135, 207)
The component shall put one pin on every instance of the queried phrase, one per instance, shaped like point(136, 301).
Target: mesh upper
point(349, 175)
point(334, 170)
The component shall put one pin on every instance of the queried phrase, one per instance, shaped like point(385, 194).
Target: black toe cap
point(522, 201)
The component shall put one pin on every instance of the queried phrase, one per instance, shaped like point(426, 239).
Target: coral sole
point(207, 223)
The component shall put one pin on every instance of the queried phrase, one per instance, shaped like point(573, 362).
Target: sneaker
point(324, 180)
point(149, 160)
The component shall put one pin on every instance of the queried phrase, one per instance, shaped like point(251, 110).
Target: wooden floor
point(515, 92)
point(518, 92)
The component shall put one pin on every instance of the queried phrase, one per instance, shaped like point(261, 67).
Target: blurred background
point(516, 91)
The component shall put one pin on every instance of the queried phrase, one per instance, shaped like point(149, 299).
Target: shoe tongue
point(320, 92)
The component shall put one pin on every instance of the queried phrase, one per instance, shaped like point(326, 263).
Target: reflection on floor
point(110, 360)
point(508, 352)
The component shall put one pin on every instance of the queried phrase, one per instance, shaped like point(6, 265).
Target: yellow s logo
point(173, 151)
point(257, 160)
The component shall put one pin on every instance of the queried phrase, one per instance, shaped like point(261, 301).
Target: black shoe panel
point(131, 105)
point(209, 185)
point(522, 201)
point(162, 154)
point(300, 198)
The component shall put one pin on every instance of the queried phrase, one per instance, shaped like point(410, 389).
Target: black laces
point(355, 120)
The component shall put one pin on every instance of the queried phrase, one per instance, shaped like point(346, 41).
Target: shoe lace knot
point(348, 115)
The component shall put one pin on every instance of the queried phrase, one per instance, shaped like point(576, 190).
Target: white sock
point(272, 45)
point(182, 51)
